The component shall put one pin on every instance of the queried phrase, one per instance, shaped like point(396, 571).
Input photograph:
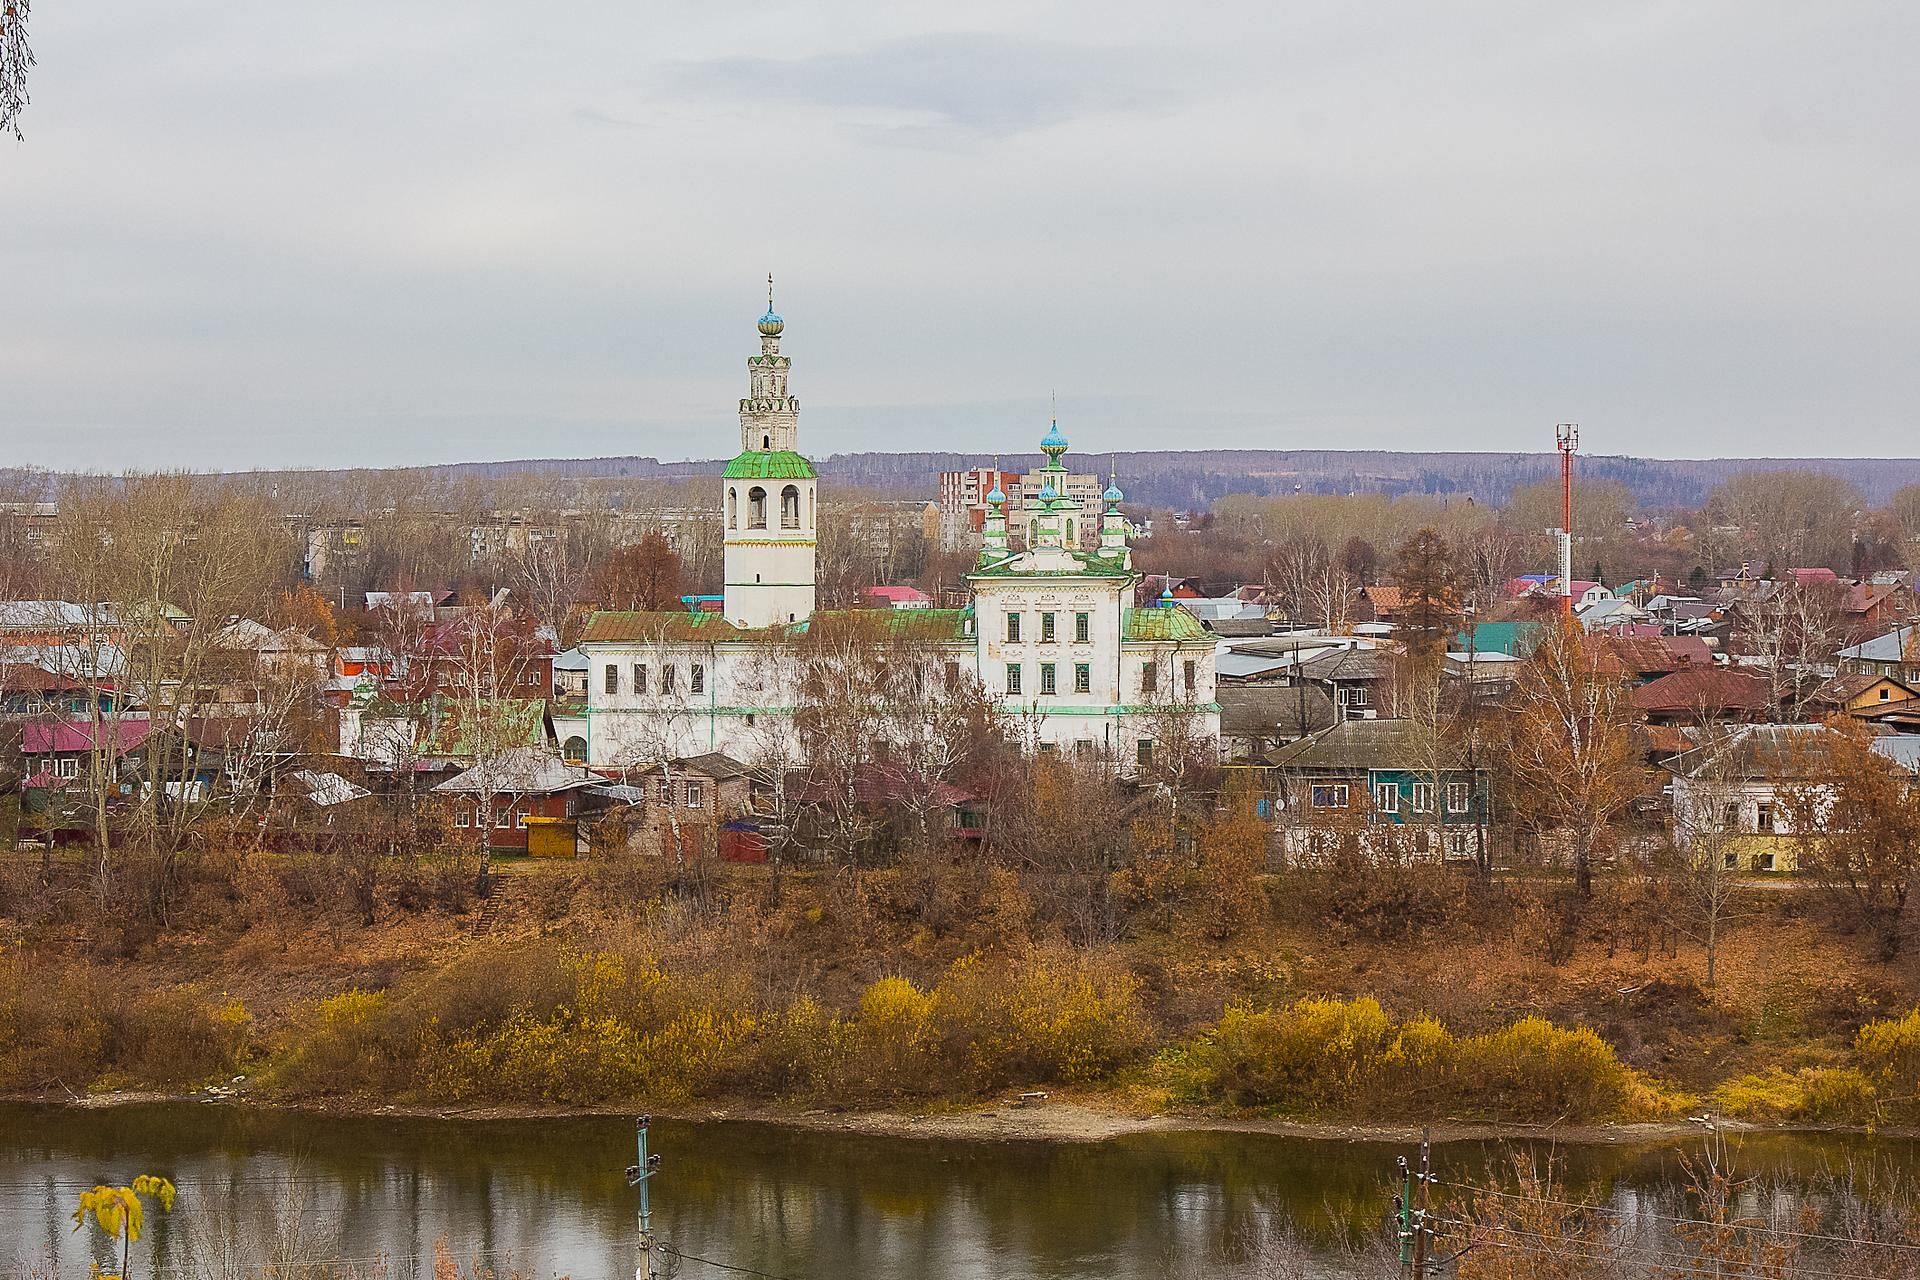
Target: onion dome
point(997, 497)
point(1113, 494)
point(1047, 493)
point(1053, 444)
point(772, 325)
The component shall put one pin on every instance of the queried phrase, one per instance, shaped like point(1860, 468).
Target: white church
point(1052, 633)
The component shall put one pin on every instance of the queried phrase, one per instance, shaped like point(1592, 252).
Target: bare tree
point(484, 665)
point(16, 59)
point(1313, 583)
point(1701, 869)
point(1569, 749)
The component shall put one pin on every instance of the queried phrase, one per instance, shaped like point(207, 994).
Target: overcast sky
point(406, 231)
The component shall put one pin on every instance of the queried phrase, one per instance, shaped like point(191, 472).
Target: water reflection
point(550, 1195)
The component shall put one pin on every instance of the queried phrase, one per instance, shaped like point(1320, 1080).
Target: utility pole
point(637, 1176)
point(1415, 1234)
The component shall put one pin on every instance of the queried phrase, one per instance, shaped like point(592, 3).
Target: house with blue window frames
point(1381, 776)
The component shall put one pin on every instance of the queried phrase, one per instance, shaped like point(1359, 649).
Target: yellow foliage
point(1832, 1095)
point(118, 1210)
point(1344, 1056)
point(1889, 1055)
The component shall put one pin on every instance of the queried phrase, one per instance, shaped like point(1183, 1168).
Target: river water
point(548, 1197)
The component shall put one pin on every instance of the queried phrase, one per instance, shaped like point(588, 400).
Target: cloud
point(932, 88)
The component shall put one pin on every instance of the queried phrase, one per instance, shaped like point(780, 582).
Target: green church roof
point(1171, 623)
point(781, 464)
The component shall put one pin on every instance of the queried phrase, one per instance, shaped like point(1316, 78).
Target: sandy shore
point(1012, 1120)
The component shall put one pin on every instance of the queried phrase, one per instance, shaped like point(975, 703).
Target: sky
point(245, 235)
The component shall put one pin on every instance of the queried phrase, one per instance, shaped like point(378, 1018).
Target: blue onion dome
point(771, 324)
point(1047, 493)
point(997, 497)
point(1113, 494)
point(1053, 442)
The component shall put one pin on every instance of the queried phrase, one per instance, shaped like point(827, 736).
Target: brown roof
point(1659, 655)
point(1713, 690)
point(1385, 597)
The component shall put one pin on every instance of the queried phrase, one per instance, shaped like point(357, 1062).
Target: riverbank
point(1014, 1120)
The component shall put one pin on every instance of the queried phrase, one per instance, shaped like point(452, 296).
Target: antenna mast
point(1566, 438)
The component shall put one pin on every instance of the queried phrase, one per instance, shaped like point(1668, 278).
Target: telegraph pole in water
point(637, 1176)
point(1415, 1233)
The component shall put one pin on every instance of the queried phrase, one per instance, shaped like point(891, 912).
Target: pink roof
point(1812, 577)
point(64, 737)
point(912, 595)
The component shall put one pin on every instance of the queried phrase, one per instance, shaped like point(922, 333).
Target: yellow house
point(1863, 696)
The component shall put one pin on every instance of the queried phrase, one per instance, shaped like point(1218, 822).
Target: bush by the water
point(73, 1026)
point(1333, 1057)
point(538, 1025)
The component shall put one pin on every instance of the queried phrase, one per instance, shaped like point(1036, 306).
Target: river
point(548, 1197)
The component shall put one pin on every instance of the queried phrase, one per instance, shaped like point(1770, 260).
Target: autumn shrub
point(1811, 1095)
point(1335, 1057)
point(1534, 1069)
point(801, 1048)
point(894, 1036)
point(1042, 1015)
point(181, 1036)
point(1316, 1055)
point(1888, 1051)
point(72, 1026)
point(55, 1025)
point(347, 1043)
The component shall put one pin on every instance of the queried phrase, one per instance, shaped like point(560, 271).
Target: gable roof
point(1273, 710)
point(524, 771)
point(1649, 655)
point(1897, 645)
point(1357, 745)
point(38, 737)
point(1710, 690)
point(1848, 685)
point(717, 765)
point(1761, 751)
point(613, 627)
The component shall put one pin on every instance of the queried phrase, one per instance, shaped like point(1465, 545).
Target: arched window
point(733, 507)
point(809, 508)
point(756, 508)
point(766, 442)
point(790, 507)
point(574, 750)
point(1071, 540)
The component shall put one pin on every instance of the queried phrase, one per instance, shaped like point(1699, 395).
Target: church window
point(1071, 540)
point(1013, 628)
point(1049, 683)
point(733, 508)
point(756, 508)
point(1143, 753)
point(766, 442)
point(1190, 675)
point(790, 507)
point(1082, 678)
point(1046, 628)
point(697, 678)
point(640, 677)
point(1013, 679)
point(666, 677)
point(612, 678)
point(1082, 628)
point(1149, 678)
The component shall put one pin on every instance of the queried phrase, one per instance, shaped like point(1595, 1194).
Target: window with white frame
point(462, 816)
point(1423, 797)
point(520, 819)
point(504, 819)
point(1459, 797)
point(67, 767)
point(665, 791)
point(1329, 795)
point(1386, 797)
point(696, 794)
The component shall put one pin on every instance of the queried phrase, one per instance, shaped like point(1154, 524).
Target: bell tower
point(768, 497)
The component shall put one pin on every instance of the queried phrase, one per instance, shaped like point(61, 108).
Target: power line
point(1691, 1222)
point(672, 1252)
